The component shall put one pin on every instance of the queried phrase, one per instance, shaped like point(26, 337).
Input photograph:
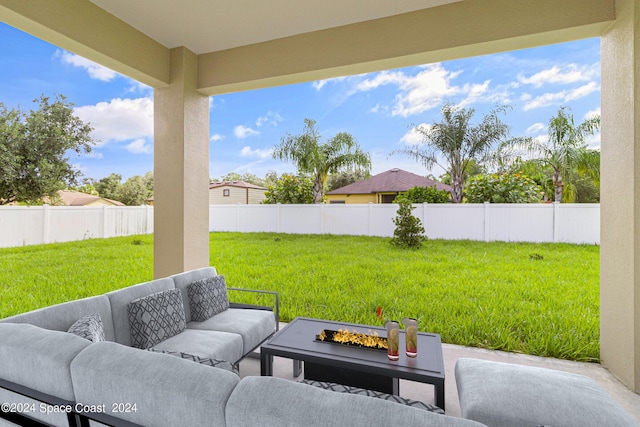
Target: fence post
point(278, 219)
point(104, 222)
point(370, 225)
point(46, 223)
point(556, 211)
point(424, 219)
point(149, 222)
point(237, 217)
point(322, 218)
point(486, 219)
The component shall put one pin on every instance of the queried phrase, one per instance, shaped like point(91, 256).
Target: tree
point(290, 189)
point(458, 142)
point(423, 195)
point(33, 150)
point(409, 232)
point(342, 179)
point(566, 148)
point(109, 186)
point(311, 156)
point(134, 191)
point(503, 188)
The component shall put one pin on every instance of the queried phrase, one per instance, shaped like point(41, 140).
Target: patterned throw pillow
point(156, 317)
point(207, 297)
point(221, 364)
point(89, 327)
point(371, 393)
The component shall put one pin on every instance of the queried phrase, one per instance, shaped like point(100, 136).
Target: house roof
point(76, 198)
point(238, 184)
point(394, 180)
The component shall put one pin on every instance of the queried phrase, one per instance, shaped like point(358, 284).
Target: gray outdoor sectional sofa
point(114, 382)
point(62, 378)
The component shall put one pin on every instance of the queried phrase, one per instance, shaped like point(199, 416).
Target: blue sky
point(378, 109)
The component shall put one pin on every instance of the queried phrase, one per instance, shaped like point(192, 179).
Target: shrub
point(423, 195)
point(290, 189)
point(502, 188)
point(409, 232)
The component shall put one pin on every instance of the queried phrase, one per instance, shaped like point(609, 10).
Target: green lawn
point(540, 299)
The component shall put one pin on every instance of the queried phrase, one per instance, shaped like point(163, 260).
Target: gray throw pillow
point(207, 297)
point(89, 327)
point(220, 364)
point(156, 317)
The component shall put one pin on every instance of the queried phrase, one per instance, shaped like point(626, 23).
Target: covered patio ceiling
point(192, 49)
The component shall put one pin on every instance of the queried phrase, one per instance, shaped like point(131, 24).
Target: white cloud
point(592, 113)
point(474, 93)
point(561, 97)
point(568, 74)
point(319, 84)
point(262, 153)
point(243, 132)
point(413, 137)
point(119, 119)
point(536, 128)
point(216, 137)
point(525, 96)
point(271, 118)
point(96, 71)
point(94, 155)
point(139, 146)
point(424, 91)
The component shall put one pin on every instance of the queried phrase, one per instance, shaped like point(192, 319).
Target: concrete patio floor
point(630, 401)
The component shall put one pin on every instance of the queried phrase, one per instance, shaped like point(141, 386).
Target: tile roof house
point(382, 188)
point(234, 192)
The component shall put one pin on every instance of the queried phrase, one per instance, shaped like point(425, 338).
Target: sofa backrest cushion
point(182, 280)
point(38, 358)
point(121, 298)
point(60, 317)
point(167, 390)
point(207, 297)
point(259, 401)
point(156, 317)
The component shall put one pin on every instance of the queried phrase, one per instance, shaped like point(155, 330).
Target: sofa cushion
point(167, 391)
point(271, 401)
point(39, 358)
point(156, 317)
point(503, 394)
point(207, 297)
point(253, 325)
point(209, 344)
point(182, 280)
point(120, 299)
point(60, 317)
point(339, 388)
point(214, 363)
point(88, 327)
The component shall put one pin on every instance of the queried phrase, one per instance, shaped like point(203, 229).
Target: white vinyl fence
point(571, 223)
point(34, 225)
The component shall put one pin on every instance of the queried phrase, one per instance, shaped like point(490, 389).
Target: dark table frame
point(296, 341)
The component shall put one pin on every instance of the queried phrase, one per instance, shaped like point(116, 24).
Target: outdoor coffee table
point(354, 366)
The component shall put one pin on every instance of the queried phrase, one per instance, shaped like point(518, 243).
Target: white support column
point(181, 170)
point(620, 196)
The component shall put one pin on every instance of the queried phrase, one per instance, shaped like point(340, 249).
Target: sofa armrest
point(275, 308)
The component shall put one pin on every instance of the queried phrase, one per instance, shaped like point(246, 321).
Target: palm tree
point(310, 156)
point(566, 148)
point(459, 143)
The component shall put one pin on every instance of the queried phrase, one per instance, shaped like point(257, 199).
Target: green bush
point(290, 189)
point(502, 188)
point(423, 195)
point(409, 232)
